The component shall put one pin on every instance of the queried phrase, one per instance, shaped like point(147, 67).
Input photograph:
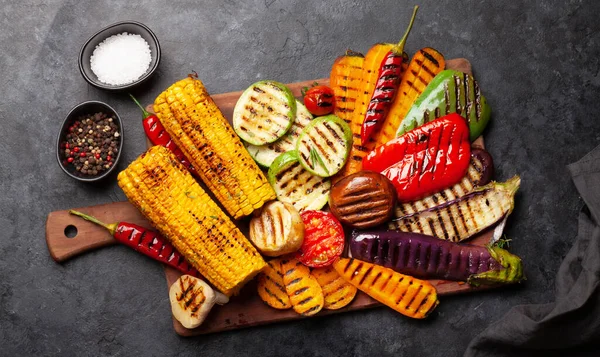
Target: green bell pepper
point(449, 92)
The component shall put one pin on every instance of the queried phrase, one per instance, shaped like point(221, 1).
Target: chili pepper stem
point(112, 228)
point(399, 48)
point(144, 111)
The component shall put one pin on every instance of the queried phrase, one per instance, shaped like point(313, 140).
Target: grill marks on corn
point(302, 288)
point(161, 188)
point(267, 114)
point(271, 287)
point(424, 66)
point(466, 185)
point(459, 219)
point(407, 295)
point(299, 187)
point(198, 127)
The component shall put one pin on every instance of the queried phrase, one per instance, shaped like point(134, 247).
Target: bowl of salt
point(120, 56)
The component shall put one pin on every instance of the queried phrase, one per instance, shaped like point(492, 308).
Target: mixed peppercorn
point(91, 145)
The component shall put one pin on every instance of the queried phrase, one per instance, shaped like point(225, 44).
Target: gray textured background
point(537, 63)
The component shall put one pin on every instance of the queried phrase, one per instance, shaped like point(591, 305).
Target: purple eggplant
point(427, 257)
point(479, 173)
point(461, 218)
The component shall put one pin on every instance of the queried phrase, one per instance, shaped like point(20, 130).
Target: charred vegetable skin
point(198, 127)
point(427, 257)
point(388, 79)
point(145, 241)
point(173, 202)
point(479, 173)
point(423, 67)
point(409, 296)
point(157, 135)
point(466, 216)
point(425, 160)
point(362, 200)
point(450, 91)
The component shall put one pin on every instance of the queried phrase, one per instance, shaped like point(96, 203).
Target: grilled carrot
point(409, 296)
point(386, 87)
point(425, 65)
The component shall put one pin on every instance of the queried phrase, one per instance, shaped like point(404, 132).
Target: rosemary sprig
point(314, 156)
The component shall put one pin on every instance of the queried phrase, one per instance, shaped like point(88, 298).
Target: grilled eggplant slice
point(264, 155)
point(295, 185)
point(192, 299)
point(271, 287)
point(277, 230)
point(303, 289)
point(409, 296)
point(427, 257)
point(324, 145)
point(337, 292)
point(479, 173)
point(461, 218)
point(362, 200)
point(264, 112)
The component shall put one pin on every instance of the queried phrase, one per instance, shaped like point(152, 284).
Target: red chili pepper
point(145, 241)
point(425, 160)
point(157, 134)
point(385, 88)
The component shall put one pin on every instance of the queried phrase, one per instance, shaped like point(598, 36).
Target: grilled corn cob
point(198, 127)
point(167, 194)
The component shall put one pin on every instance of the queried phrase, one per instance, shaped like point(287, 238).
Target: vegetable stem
point(112, 228)
point(144, 111)
point(399, 48)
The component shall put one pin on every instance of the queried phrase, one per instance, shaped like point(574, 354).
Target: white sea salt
point(121, 59)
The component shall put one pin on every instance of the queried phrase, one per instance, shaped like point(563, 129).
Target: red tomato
point(323, 239)
point(319, 100)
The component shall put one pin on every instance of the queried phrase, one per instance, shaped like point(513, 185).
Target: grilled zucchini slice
point(295, 185)
point(264, 155)
point(324, 145)
point(264, 112)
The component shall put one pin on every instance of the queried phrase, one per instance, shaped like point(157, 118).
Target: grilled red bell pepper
point(157, 134)
point(145, 241)
point(386, 87)
point(425, 160)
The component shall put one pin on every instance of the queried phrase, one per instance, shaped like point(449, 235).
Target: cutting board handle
point(68, 235)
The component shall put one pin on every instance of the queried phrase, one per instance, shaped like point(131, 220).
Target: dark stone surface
point(537, 62)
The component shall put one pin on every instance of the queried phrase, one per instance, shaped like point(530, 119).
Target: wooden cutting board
point(244, 310)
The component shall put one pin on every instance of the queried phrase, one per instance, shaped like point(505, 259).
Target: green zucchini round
point(293, 184)
point(264, 112)
point(264, 155)
point(324, 145)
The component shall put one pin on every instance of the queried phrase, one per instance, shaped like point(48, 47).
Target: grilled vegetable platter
point(373, 187)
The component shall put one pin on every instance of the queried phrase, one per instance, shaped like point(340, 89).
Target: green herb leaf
point(214, 217)
point(189, 194)
point(314, 156)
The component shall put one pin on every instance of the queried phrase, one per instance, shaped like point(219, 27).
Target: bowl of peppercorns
point(90, 141)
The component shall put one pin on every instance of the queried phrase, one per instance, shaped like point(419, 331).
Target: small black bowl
point(86, 108)
point(132, 27)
